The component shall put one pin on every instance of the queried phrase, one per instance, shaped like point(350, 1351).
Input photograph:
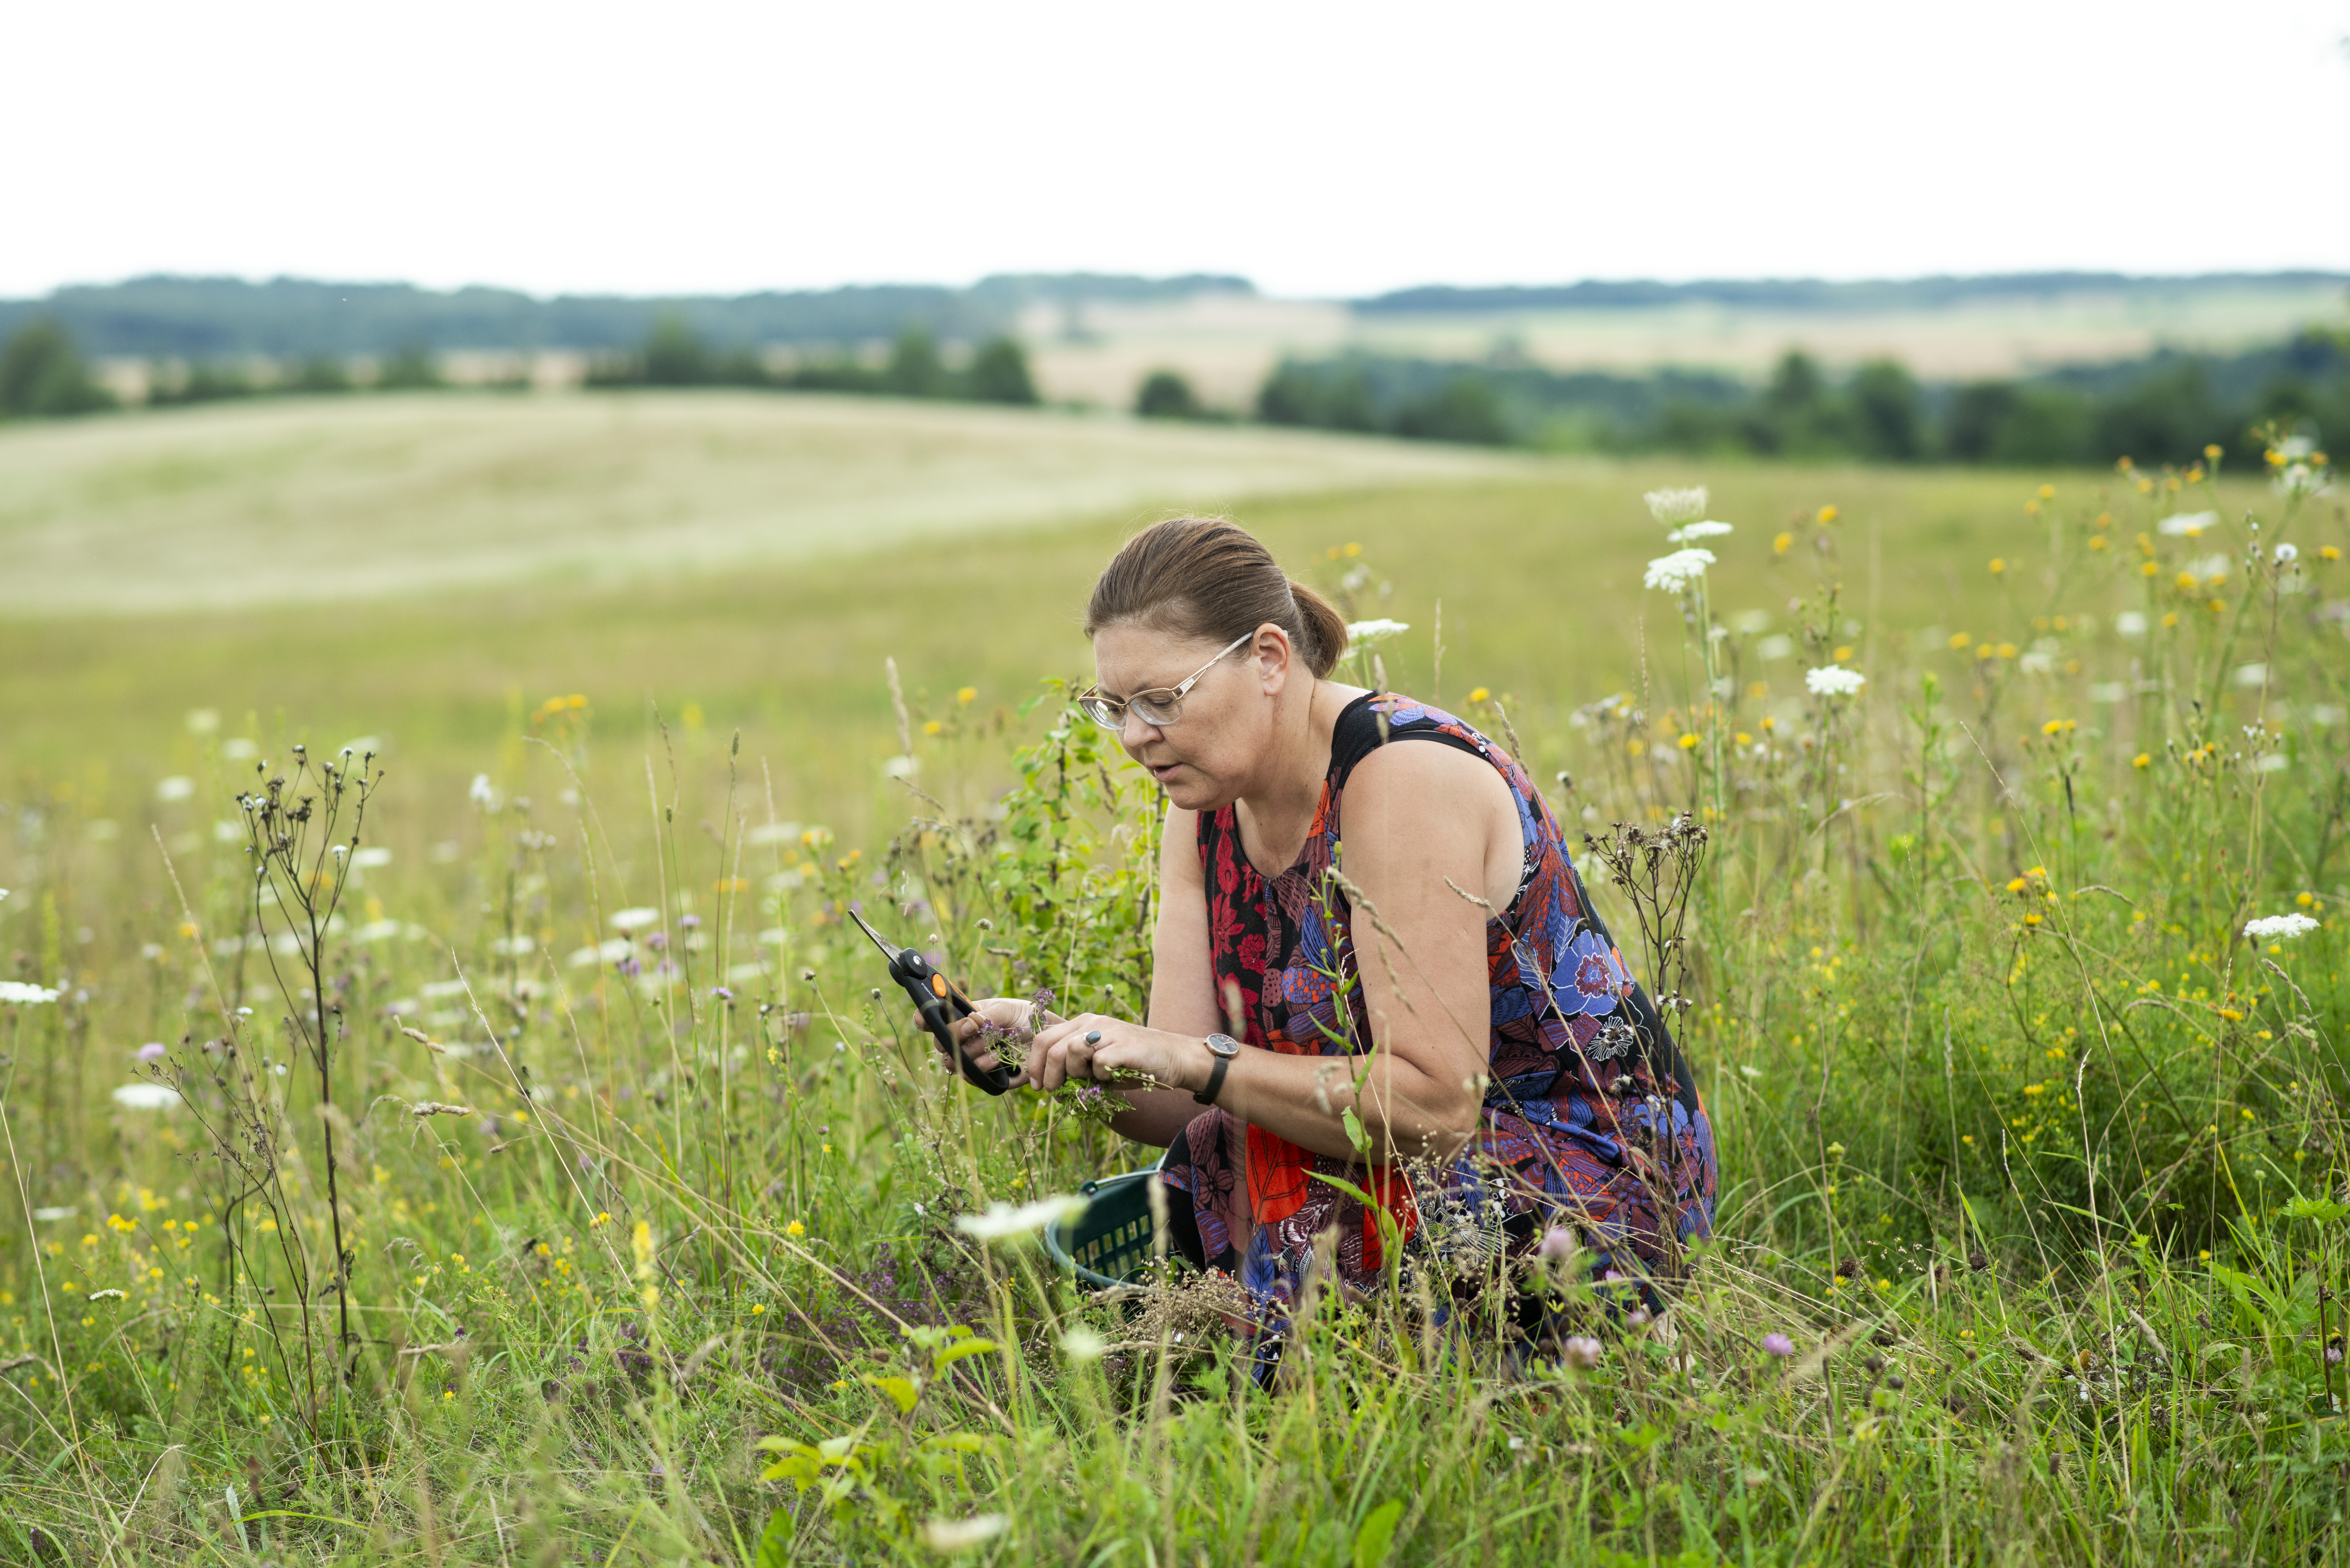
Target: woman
point(1440, 990)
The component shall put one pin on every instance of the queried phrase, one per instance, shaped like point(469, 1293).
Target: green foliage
point(1166, 395)
point(998, 374)
point(411, 368)
point(44, 376)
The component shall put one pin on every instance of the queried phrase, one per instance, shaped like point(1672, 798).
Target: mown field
point(2031, 1158)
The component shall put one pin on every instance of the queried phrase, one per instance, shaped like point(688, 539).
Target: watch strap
point(1207, 1096)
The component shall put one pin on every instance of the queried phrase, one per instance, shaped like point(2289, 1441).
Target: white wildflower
point(2287, 553)
point(634, 920)
point(1002, 1219)
point(1083, 1345)
point(2130, 623)
point(147, 1096)
point(1834, 681)
point(179, 786)
point(901, 767)
point(1679, 571)
point(959, 1534)
point(1695, 531)
point(1366, 633)
point(2187, 524)
point(51, 1216)
point(1670, 506)
point(374, 855)
point(482, 795)
point(2279, 928)
point(204, 721)
point(23, 995)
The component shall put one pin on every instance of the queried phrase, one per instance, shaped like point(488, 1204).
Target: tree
point(999, 373)
point(413, 368)
point(44, 376)
point(674, 355)
point(1465, 409)
point(1888, 421)
point(1166, 395)
point(915, 369)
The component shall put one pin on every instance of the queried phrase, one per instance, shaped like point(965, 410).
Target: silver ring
point(1093, 1036)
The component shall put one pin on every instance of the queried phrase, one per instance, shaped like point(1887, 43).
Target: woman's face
point(1208, 757)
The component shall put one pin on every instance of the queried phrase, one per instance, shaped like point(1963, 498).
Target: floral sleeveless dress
point(1591, 1120)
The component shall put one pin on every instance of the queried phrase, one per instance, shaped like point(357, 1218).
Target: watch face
point(1223, 1045)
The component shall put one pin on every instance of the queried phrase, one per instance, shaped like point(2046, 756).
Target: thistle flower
point(1670, 506)
point(2278, 928)
point(1778, 1345)
point(1679, 571)
point(1834, 681)
point(150, 1052)
point(1695, 531)
point(1581, 1350)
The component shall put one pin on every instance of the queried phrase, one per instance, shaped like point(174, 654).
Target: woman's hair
point(1208, 578)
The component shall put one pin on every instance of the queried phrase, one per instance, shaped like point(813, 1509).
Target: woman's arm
point(1182, 979)
point(1416, 816)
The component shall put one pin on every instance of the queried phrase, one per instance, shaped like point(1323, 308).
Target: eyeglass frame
point(1175, 694)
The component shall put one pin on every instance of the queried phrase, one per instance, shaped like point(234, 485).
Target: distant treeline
point(194, 319)
point(674, 355)
point(1818, 294)
point(2165, 408)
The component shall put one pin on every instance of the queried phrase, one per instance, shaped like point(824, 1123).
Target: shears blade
point(889, 951)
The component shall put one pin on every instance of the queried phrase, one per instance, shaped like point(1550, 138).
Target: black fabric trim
point(1356, 735)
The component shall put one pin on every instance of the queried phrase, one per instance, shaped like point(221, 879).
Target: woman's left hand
point(1089, 1047)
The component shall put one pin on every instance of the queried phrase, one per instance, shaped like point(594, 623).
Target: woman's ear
point(1275, 659)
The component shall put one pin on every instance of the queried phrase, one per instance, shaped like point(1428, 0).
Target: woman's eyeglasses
point(1157, 707)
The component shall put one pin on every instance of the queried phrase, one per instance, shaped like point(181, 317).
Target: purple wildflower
point(1581, 1350)
point(1778, 1345)
point(721, 993)
point(690, 922)
point(151, 1051)
point(1558, 1241)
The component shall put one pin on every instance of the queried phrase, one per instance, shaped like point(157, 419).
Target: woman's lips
point(1162, 771)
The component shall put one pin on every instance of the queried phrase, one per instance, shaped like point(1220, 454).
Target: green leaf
point(1377, 1535)
point(957, 1350)
point(901, 1390)
point(1355, 1133)
point(775, 1542)
point(2320, 1209)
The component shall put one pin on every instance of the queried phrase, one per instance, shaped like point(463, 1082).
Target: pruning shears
point(939, 1004)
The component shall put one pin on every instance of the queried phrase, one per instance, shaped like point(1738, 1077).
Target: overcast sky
point(1321, 149)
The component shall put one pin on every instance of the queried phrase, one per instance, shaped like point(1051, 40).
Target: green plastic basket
point(1109, 1243)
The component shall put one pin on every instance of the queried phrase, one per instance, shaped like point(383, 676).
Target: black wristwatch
point(1224, 1048)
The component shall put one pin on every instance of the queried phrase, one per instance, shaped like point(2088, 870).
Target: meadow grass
point(2032, 1159)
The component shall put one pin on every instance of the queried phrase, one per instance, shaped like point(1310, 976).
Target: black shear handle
point(941, 1005)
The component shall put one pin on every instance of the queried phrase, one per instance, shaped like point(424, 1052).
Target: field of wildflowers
point(564, 1185)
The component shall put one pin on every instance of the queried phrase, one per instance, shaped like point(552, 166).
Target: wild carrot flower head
point(1676, 506)
point(1691, 534)
point(23, 995)
point(2277, 928)
point(1679, 571)
point(1834, 681)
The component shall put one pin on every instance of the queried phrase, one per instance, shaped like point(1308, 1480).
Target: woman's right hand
point(1006, 1013)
